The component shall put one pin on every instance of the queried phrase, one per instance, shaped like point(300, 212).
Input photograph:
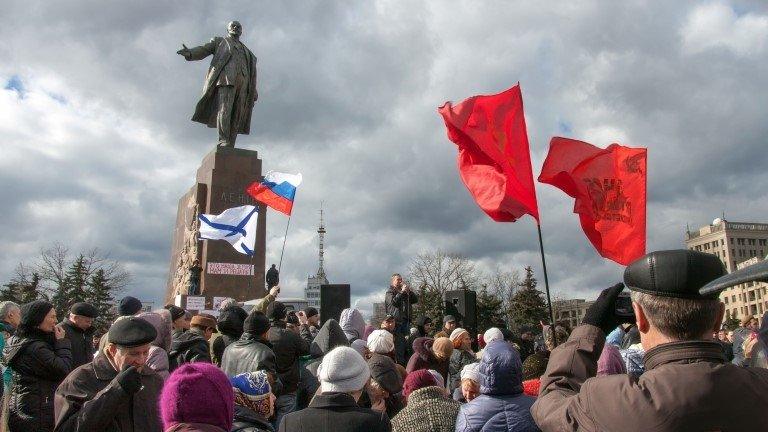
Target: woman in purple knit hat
point(197, 397)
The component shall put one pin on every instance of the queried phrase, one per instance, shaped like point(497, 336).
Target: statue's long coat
point(207, 106)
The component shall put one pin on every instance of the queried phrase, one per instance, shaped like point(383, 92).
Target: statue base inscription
point(221, 181)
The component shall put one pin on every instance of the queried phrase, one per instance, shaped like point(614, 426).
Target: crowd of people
point(670, 367)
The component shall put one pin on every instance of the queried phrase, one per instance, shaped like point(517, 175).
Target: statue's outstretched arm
point(199, 52)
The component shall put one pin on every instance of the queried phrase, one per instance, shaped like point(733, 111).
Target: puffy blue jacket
point(501, 406)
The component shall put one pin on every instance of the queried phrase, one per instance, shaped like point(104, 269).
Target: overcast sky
point(97, 145)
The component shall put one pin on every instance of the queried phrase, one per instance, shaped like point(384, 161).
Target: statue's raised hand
point(184, 51)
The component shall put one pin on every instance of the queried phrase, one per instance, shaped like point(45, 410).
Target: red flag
point(610, 190)
point(494, 160)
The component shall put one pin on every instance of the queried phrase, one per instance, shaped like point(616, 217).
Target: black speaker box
point(333, 299)
point(463, 305)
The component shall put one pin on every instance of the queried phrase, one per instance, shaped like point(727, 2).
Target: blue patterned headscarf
point(252, 390)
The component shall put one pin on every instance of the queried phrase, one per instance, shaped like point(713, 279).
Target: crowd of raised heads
point(670, 367)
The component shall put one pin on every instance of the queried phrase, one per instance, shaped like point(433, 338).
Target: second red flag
point(610, 190)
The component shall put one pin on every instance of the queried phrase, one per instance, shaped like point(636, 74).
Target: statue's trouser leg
point(238, 108)
point(226, 101)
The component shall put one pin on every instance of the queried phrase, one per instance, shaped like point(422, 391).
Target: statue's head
point(234, 28)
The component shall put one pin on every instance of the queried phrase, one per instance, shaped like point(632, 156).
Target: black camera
point(623, 306)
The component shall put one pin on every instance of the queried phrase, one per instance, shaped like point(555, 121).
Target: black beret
point(291, 318)
point(256, 323)
point(84, 309)
point(129, 306)
point(277, 311)
point(676, 273)
point(131, 332)
point(176, 312)
point(33, 313)
point(754, 272)
point(310, 312)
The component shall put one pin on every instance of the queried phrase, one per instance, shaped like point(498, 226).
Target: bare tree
point(434, 273)
point(53, 264)
point(503, 284)
point(56, 260)
point(443, 271)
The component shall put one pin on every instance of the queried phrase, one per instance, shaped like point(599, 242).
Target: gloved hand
point(602, 313)
point(129, 379)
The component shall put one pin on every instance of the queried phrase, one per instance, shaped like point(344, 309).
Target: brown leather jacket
point(89, 400)
point(687, 386)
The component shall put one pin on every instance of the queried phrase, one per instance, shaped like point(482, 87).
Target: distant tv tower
point(321, 237)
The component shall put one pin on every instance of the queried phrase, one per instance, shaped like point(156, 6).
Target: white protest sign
point(195, 303)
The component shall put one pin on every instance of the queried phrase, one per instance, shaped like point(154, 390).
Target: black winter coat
point(335, 412)
point(230, 326)
point(328, 337)
point(39, 365)
point(398, 304)
point(81, 341)
point(250, 354)
point(218, 345)
point(247, 420)
point(288, 347)
point(188, 347)
point(459, 359)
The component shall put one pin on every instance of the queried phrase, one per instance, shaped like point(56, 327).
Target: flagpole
point(546, 281)
point(284, 239)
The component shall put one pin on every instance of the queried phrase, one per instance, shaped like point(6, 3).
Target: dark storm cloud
point(348, 96)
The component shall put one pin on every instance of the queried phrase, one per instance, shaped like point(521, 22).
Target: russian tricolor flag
point(277, 190)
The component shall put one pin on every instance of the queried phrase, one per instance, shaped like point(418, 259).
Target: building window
point(763, 242)
point(725, 300)
point(722, 242)
point(731, 240)
point(751, 242)
point(753, 310)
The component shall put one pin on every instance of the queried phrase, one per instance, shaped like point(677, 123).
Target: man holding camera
point(688, 383)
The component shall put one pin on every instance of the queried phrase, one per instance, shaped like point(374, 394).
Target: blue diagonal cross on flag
point(236, 225)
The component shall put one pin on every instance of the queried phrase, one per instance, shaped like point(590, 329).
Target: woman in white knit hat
point(382, 342)
point(343, 375)
point(386, 381)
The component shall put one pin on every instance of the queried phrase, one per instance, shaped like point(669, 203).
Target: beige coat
point(687, 386)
